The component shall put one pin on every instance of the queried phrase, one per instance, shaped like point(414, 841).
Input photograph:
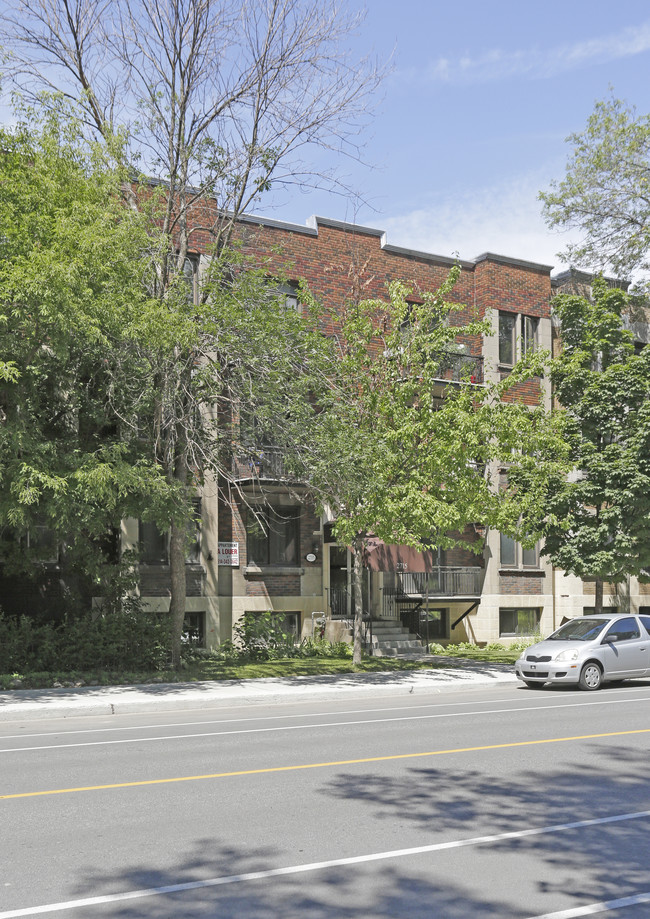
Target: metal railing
point(342, 609)
point(262, 463)
point(412, 620)
point(340, 603)
point(366, 634)
point(440, 582)
point(389, 606)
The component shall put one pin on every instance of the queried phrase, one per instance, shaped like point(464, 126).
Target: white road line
point(319, 866)
point(619, 700)
point(296, 727)
point(592, 908)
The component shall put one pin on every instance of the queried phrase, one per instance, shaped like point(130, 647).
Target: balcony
point(440, 582)
point(261, 463)
point(460, 368)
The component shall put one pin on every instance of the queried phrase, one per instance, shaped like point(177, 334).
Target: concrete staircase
point(391, 639)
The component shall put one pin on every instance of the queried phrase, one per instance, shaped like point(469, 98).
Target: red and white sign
point(228, 554)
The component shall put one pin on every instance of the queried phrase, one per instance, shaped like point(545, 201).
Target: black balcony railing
point(460, 368)
point(441, 582)
point(262, 463)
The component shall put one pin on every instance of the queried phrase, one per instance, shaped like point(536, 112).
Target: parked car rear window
point(579, 630)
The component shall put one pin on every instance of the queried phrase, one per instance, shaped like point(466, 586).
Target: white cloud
point(537, 63)
point(504, 219)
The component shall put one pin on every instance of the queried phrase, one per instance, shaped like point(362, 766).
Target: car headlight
point(567, 655)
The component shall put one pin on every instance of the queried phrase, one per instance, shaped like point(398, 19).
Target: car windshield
point(579, 630)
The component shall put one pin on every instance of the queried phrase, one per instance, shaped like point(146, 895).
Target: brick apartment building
point(292, 566)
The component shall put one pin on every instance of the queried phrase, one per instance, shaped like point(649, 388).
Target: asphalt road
point(499, 802)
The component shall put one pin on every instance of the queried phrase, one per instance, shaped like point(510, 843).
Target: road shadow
point(459, 803)
point(327, 893)
point(426, 805)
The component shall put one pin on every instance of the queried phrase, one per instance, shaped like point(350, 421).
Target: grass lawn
point(211, 669)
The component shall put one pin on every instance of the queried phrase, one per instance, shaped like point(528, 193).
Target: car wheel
point(534, 685)
point(591, 676)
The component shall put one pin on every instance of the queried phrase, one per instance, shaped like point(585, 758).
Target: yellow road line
point(342, 762)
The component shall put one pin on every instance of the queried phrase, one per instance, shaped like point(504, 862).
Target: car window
point(579, 630)
point(623, 630)
point(646, 622)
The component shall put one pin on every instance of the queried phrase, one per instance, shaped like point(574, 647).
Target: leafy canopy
point(73, 267)
point(419, 443)
point(604, 194)
point(598, 521)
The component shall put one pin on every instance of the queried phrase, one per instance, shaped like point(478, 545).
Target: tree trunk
point(177, 570)
point(178, 589)
point(598, 599)
point(357, 597)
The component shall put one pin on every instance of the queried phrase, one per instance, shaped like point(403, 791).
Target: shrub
point(260, 637)
point(522, 643)
point(120, 636)
point(320, 647)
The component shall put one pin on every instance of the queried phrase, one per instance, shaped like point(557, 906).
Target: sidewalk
point(35, 704)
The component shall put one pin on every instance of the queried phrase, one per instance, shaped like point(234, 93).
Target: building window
point(511, 327)
point(289, 623)
point(287, 294)
point(411, 321)
point(607, 611)
point(42, 544)
point(193, 549)
point(507, 343)
point(191, 278)
point(508, 552)
point(529, 327)
point(154, 543)
point(437, 625)
point(513, 555)
point(514, 622)
point(273, 537)
point(194, 628)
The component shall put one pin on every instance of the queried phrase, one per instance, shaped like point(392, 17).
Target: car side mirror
point(610, 638)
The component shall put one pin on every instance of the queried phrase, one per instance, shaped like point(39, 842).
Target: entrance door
point(339, 596)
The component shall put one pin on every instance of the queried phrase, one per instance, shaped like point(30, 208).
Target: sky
point(472, 121)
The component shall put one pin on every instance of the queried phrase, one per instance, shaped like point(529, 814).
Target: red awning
point(381, 556)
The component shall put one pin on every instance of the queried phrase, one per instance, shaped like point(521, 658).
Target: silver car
point(589, 651)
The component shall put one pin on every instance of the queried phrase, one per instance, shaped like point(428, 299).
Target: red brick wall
point(341, 261)
point(524, 583)
point(232, 528)
point(460, 557)
point(155, 581)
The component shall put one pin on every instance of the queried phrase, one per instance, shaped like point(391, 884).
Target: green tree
point(412, 461)
point(221, 102)
point(226, 375)
point(598, 519)
point(72, 271)
point(604, 194)
point(115, 401)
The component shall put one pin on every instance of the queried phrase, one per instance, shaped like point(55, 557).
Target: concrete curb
point(92, 701)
